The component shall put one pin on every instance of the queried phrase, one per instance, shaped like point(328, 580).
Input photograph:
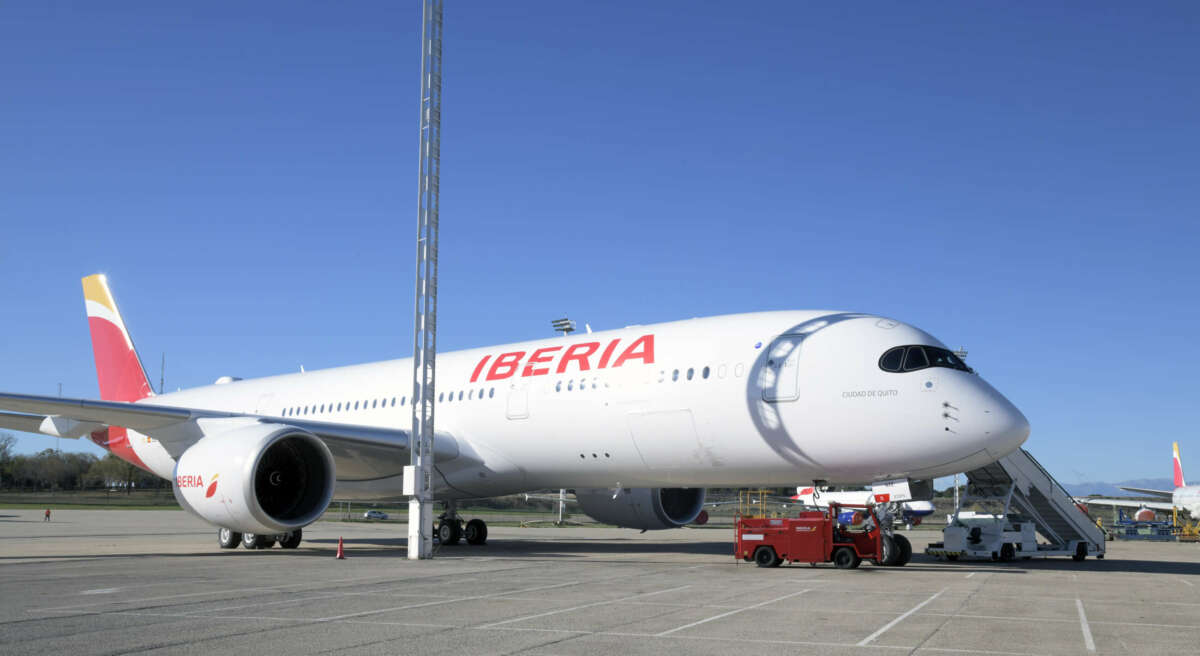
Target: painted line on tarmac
point(801, 643)
point(1025, 619)
point(867, 640)
point(1189, 583)
point(727, 614)
point(316, 585)
point(335, 618)
point(580, 607)
point(1083, 624)
point(275, 588)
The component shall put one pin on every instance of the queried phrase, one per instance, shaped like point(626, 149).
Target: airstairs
point(1028, 495)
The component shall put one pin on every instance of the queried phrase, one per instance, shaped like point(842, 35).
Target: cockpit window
point(944, 358)
point(913, 358)
point(892, 359)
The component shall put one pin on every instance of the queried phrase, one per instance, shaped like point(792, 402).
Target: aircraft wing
point(1124, 503)
point(23, 423)
point(1160, 494)
point(360, 452)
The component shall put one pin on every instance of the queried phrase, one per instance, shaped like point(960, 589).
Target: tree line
point(51, 470)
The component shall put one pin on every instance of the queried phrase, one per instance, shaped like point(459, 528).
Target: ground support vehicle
point(1126, 528)
point(816, 536)
point(989, 537)
point(1021, 502)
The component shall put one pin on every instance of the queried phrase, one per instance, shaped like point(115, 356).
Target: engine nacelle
point(263, 479)
point(648, 509)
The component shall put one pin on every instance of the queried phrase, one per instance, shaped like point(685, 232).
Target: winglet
point(1178, 467)
point(118, 368)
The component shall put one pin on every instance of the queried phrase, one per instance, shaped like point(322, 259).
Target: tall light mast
point(420, 502)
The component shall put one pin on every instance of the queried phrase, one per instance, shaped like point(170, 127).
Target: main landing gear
point(451, 530)
point(229, 539)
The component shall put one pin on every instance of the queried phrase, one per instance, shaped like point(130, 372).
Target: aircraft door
point(265, 405)
point(667, 440)
point(780, 375)
point(518, 401)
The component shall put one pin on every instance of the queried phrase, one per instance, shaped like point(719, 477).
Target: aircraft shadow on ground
point(507, 550)
point(548, 548)
point(1061, 564)
point(637, 549)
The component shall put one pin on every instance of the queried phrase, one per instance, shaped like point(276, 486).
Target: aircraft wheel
point(476, 532)
point(449, 532)
point(291, 540)
point(765, 556)
point(844, 558)
point(255, 541)
point(1080, 552)
point(904, 547)
point(1008, 553)
point(952, 557)
point(890, 552)
point(228, 539)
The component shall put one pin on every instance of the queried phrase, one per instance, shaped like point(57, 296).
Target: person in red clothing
point(47, 515)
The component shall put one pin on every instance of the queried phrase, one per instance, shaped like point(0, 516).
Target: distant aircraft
point(1184, 496)
point(638, 421)
point(911, 512)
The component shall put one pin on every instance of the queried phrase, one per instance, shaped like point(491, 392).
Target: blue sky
point(1020, 180)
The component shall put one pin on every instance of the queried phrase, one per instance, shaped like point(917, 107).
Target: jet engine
point(648, 509)
point(262, 478)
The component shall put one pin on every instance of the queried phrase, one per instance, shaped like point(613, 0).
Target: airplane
point(638, 421)
point(911, 513)
point(1184, 496)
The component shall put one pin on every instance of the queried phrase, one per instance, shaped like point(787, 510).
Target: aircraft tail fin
point(1179, 482)
point(118, 368)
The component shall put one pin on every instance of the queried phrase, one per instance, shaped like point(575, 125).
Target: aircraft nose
point(1007, 428)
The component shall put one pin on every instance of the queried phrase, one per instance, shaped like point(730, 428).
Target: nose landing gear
point(451, 529)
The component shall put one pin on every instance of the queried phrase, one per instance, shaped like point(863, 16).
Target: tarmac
point(119, 582)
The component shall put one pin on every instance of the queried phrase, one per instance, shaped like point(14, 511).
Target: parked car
point(375, 514)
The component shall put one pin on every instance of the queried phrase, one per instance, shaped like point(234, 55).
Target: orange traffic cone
point(341, 554)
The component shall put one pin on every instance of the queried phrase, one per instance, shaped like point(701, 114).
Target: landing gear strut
point(451, 530)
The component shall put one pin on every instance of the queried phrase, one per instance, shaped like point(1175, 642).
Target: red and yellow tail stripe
point(1179, 482)
point(118, 368)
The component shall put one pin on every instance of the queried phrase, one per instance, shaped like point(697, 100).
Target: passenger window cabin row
point(688, 375)
point(374, 404)
point(480, 394)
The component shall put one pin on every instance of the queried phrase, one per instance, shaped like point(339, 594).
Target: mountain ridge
point(1114, 490)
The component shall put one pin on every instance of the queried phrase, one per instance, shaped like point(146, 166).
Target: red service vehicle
point(816, 536)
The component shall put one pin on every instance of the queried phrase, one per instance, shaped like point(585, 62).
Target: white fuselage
point(767, 398)
point(1187, 498)
point(822, 499)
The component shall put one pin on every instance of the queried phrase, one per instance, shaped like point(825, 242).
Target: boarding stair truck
point(1025, 502)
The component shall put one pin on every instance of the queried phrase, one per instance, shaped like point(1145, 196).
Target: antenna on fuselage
point(564, 326)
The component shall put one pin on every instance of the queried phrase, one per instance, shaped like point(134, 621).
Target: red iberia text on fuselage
point(560, 360)
point(189, 480)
